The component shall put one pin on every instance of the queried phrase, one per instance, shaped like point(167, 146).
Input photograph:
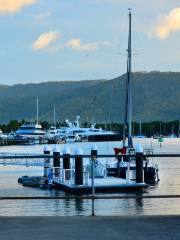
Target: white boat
point(3, 136)
point(51, 133)
point(33, 131)
point(74, 132)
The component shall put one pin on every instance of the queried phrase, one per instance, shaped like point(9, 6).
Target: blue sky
point(43, 40)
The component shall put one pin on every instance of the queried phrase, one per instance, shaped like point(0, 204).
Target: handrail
point(88, 156)
point(88, 197)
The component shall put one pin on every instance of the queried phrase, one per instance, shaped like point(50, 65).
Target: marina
point(33, 133)
point(169, 184)
point(73, 175)
point(89, 120)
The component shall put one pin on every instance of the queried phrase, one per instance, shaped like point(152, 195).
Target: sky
point(45, 40)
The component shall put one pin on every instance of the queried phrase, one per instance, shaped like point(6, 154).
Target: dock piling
point(139, 163)
point(67, 162)
point(78, 166)
point(56, 161)
point(66, 158)
point(46, 161)
point(93, 158)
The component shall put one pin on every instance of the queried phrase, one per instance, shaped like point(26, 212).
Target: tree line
point(148, 129)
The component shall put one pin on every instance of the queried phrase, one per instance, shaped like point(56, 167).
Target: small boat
point(32, 181)
point(3, 136)
point(124, 166)
point(23, 178)
point(51, 133)
point(46, 184)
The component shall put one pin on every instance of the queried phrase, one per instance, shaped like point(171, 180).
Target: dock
point(102, 185)
point(91, 228)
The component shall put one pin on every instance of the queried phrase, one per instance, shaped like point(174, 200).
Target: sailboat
point(32, 131)
point(124, 163)
point(127, 129)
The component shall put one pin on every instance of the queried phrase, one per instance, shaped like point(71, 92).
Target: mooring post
point(93, 159)
point(46, 161)
point(139, 163)
point(66, 158)
point(79, 166)
point(56, 161)
point(66, 162)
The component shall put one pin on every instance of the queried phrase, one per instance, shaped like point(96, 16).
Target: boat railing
point(67, 176)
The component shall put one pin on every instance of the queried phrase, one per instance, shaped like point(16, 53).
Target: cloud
point(45, 41)
point(43, 15)
point(167, 24)
point(49, 42)
point(12, 6)
point(77, 45)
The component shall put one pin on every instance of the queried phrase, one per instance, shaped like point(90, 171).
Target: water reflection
point(79, 206)
point(139, 205)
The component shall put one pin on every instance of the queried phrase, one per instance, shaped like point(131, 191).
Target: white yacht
point(31, 130)
point(3, 136)
point(51, 133)
point(74, 132)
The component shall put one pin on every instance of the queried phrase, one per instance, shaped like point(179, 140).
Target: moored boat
point(125, 164)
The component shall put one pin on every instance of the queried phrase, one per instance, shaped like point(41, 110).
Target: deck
point(102, 185)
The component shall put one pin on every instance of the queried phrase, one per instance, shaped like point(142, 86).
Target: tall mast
point(129, 78)
point(140, 128)
point(37, 117)
point(54, 115)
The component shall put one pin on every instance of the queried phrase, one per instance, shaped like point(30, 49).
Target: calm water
point(169, 184)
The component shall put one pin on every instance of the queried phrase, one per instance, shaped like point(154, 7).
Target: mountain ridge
point(155, 96)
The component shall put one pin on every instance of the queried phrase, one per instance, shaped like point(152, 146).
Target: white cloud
point(12, 6)
point(49, 42)
point(43, 15)
point(45, 41)
point(167, 24)
point(77, 45)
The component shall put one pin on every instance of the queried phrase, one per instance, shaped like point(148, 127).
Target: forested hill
point(156, 96)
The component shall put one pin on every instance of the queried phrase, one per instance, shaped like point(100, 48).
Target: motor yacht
point(31, 130)
point(74, 132)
